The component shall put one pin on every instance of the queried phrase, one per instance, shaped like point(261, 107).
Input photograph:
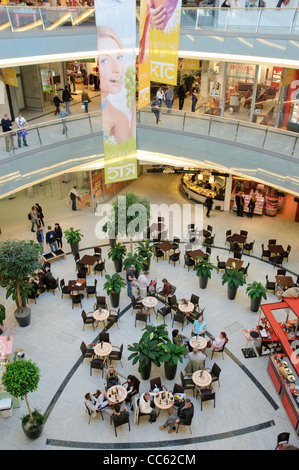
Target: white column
point(228, 190)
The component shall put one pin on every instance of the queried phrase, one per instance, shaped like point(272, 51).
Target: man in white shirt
point(146, 406)
point(21, 123)
point(143, 284)
point(74, 195)
point(196, 361)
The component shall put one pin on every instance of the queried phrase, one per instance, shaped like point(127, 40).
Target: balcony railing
point(261, 21)
point(230, 130)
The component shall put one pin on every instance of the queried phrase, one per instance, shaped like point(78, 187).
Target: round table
point(198, 342)
point(186, 308)
point(101, 315)
point(149, 302)
point(116, 394)
point(164, 401)
point(202, 378)
point(102, 349)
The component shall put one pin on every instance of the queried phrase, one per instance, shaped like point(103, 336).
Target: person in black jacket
point(183, 415)
point(57, 101)
point(66, 98)
point(209, 204)
point(240, 204)
point(58, 231)
point(7, 127)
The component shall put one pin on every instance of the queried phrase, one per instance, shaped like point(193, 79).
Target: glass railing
point(280, 21)
point(233, 131)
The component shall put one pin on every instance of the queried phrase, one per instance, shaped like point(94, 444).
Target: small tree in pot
point(73, 237)
point(145, 250)
point(19, 379)
point(117, 253)
point(173, 353)
point(256, 291)
point(234, 279)
point(19, 259)
point(113, 286)
point(134, 260)
point(203, 270)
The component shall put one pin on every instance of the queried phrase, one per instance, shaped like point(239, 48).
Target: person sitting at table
point(120, 416)
point(196, 361)
point(48, 280)
point(179, 339)
point(184, 415)
point(97, 402)
point(111, 378)
point(199, 327)
point(132, 386)
point(146, 406)
point(217, 342)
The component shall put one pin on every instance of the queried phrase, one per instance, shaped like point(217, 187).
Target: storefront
point(198, 185)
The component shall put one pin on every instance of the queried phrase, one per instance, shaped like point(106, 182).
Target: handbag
point(24, 133)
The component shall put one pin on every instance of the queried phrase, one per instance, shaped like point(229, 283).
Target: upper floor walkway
point(37, 34)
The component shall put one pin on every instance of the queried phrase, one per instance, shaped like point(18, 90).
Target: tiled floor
point(248, 413)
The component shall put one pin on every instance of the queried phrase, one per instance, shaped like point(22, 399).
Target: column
point(228, 191)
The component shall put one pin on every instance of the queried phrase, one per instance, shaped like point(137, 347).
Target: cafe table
point(164, 401)
point(186, 308)
point(102, 350)
point(88, 260)
point(202, 378)
point(285, 281)
point(238, 263)
point(196, 253)
point(165, 246)
point(237, 238)
point(76, 285)
point(198, 342)
point(276, 249)
point(150, 302)
point(101, 315)
point(116, 394)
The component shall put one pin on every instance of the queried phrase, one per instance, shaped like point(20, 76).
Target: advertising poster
point(116, 38)
point(165, 20)
point(144, 96)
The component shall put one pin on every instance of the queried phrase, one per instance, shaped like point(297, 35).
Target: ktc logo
point(144, 95)
point(162, 70)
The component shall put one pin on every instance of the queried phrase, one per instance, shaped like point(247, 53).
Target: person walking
point(40, 238)
point(51, 239)
point(21, 132)
point(209, 204)
point(40, 214)
point(66, 98)
point(58, 231)
point(63, 114)
point(130, 278)
point(85, 99)
point(7, 128)
point(57, 102)
point(251, 205)
point(169, 98)
point(240, 204)
point(194, 100)
point(34, 218)
point(182, 96)
point(74, 196)
point(156, 110)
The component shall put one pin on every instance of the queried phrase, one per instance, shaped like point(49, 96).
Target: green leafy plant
point(114, 283)
point(19, 259)
point(118, 251)
point(33, 425)
point(203, 268)
point(149, 348)
point(20, 379)
point(134, 260)
point(73, 237)
point(2, 314)
point(233, 277)
point(173, 353)
point(145, 249)
point(255, 290)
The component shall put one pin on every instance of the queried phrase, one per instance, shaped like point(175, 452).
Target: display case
point(259, 205)
point(196, 191)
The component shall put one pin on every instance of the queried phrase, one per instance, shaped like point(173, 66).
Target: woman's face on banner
point(111, 64)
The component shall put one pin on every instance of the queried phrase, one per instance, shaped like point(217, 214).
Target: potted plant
point(134, 260)
point(172, 354)
point(149, 349)
point(145, 249)
point(109, 228)
point(117, 253)
point(73, 237)
point(113, 286)
point(19, 259)
point(204, 271)
point(234, 279)
point(256, 291)
point(20, 378)
point(2, 317)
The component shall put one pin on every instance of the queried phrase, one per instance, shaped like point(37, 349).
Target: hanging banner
point(144, 96)
point(116, 38)
point(164, 40)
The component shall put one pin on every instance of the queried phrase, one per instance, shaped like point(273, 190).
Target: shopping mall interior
point(242, 136)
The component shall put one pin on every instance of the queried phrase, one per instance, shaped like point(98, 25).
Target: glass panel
point(296, 149)
point(267, 94)
point(4, 21)
point(54, 19)
point(223, 128)
point(96, 122)
point(270, 18)
point(76, 126)
point(205, 18)
point(83, 17)
point(295, 29)
point(238, 91)
point(200, 124)
point(289, 113)
point(250, 135)
point(279, 142)
point(243, 20)
point(211, 85)
point(188, 18)
point(25, 19)
point(50, 133)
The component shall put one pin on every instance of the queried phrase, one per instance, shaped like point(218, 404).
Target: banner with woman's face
point(116, 37)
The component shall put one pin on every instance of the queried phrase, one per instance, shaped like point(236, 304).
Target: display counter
point(199, 193)
point(259, 205)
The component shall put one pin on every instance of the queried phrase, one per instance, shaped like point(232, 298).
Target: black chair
point(228, 235)
point(164, 311)
point(97, 251)
point(281, 272)
point(285, 254)
point(208, 251)
point(158, 253)
point(116, 354)
point(188, 261)
point(270, 285)
point(235, 247)
point(99, 267)
point(221, 265)
point(76, 299)
point(272, 242)
point(81, 274)
point(114, 317)
point(277, 260)
point(248, 247)
point(214, 372)
point(157, 383)
point(179, 318)
point(265, 253)
point(33, 295)
point(218, 351)
point(194, 299)
point(209, 241)
point(92, 290)
point(54, 286)
point(125, 420)
point(87, 320)
point(136, 305)
point(187, 382)
point(206, 394)
point(141, 317)
point(64, 289)
point(97, 363)
point(105, 337)
point(282, 438)
point(87, 351)
point(244, 233)
point(139, 412)
point(98, 412)
point(237, 255)
point(176, 242)
point(174, 258)
point(178, 389)
point(244, 270)
point(100, 302)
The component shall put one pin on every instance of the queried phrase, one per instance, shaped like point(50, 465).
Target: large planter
point(203, 282)
point(114, 299)
point(147, 265)
point(146, 372)
point(33, 434)
point(75, 248)
point(232, 292)
point(118, 265)
point(112, 241)
point(170, 371)
point(255, 304)
point(23, 318)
